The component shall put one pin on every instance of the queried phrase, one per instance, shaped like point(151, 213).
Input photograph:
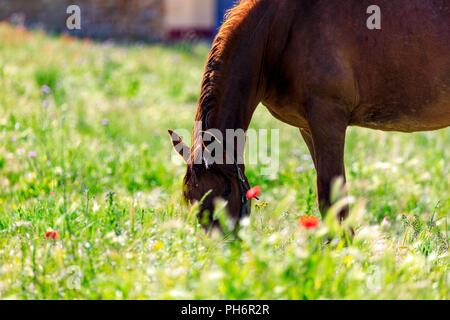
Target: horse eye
point(226, 193)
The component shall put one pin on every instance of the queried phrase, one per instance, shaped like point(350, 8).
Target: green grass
point(93, 161)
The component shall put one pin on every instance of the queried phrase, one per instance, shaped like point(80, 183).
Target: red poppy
point(309, 222)
point(253, 192)
point(52, 235)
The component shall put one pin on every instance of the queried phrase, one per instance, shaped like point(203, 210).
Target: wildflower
point(306, 157)
point(45, 104)
point(348, 261)
point(175, 59)
point(158, 246)
point(427, 216)
point(105, 122)
point(52, 235)
point(46, 89)
point(411, 218)
point(262, 204)
point(52, 193)
point(253, 192)
point(309, 222)
point(95, 207)
point(385, 223)
point(32, 154)
point(300, 169)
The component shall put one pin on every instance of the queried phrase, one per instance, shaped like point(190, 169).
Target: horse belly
point(407, 91)
point(395, 116)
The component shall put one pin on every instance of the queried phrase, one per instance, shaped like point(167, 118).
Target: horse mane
point(221, 49)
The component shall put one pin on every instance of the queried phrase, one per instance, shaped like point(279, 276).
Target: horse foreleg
point(327, 124)
point(309, 143)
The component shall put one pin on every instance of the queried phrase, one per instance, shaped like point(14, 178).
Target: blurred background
point(149, 20)
point(85, 157)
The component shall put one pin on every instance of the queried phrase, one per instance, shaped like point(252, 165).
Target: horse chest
point(288, 112)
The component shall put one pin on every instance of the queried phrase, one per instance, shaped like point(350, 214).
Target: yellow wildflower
point(158, 246)
point(348, 261)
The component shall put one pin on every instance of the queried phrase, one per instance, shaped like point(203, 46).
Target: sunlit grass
point(91, 158)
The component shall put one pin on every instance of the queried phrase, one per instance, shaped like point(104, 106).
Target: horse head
point(204, 183)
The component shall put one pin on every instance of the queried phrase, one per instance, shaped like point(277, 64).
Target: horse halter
point(243, 187)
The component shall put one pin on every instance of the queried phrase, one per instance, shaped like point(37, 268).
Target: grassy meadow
point(84, 151)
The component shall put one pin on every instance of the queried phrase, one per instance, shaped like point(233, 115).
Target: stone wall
point(118, 19)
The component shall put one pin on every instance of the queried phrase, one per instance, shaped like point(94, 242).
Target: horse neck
point(229, 94)
point(233, 83)
point(228, 100)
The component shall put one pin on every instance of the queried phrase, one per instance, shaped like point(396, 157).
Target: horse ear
point(183, 150)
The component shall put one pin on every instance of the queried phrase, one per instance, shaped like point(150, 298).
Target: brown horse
point(316, 65)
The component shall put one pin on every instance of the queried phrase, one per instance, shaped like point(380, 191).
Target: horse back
point(395, 78)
